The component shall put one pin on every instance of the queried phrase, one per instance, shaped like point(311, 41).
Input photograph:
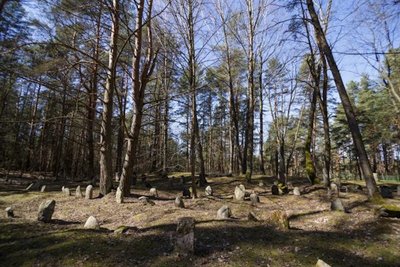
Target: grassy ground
point(357, 238)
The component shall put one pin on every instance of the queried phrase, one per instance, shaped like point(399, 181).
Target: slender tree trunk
point(348, 108)
point(32, 129)
point(106, 132)
point(309, 164)
point(261, 144)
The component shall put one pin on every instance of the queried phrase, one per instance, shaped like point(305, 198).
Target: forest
point(213, 133)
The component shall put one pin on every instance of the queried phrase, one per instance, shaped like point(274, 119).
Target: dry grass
point(357, 238)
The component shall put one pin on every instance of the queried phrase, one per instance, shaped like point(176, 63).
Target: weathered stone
point(283, 189)
point(337, 205)
point(321, 263)
point(261, 184)
point(46, 210)
point(185, 235)
point(334, 190)
point(43, 188)
point(145, 200)
point(386, 192)
point(208, 191)
point(62, 189)
point(92, 223)
point(275, 190)
point(119, 196)
point(78, 191)
point(254, 199)
point(116, 177)
point(280, 219)
point(240, 192)
point(376, 177)
point(224, 213)
point(296, 191)
point(89, 192)
point(67, 192)
point(179, 202)
point(252, 217)
point(153, 192)
point(9, 212)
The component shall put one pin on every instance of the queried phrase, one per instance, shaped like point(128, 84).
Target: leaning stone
point(89, 192)
point(208, 191)
point(296, 191)
point(179, 202)
point(275, 190)
point(43, 188)
point(254, 199)
point(337, 205)
point(67, 192)
point(321, 263)
point(185, 235)
point(153, 192)
point(92, 223)
point(46, 210)
point(146, 200)
point(224, 213)
point(9, 212)
point(386, 192)
point(240, 192)
point(252, 217)
point(78, 192)
point(280, 219)
point(118, 196)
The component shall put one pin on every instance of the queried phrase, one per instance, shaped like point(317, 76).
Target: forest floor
point(356, 238)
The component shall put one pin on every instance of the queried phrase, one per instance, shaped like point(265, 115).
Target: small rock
point(224, 213)
point(321, 263)
point(43, 188)
point(62, 189)
point(261, 184)
point(252, 217)
point(46, 210)
point(254, 199)
point(179, 202)
point(119, 196)
point(240, 192)
point(185, 235)
point(78, 192)
point(296, 191)
point(296, 249)
point(89, 192)
point(9, 212)
point(208, 191)
point(92, 223)
point(145, 200)
point(67, 192)
point(153, 192)
point(337, 205)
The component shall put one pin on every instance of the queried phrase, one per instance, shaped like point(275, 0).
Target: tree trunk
point(261, 144)
point(309, 164)
point(347, 106)
point(106, 132)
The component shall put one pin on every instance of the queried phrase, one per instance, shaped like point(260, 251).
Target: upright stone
point(62, 189)
point(179, 202)
point(224, 213)
point(92, 223)
point(261, 184)
point(186, 192)
point(334, 190)
point(119, 196)
point(78, 192)
point(153, 192)
point(9, 212)
point(29, 187)
point(240, 192)
point(376, 177)
point(254, 199)
point(296, 191)
point(89, 192)
point(275, 190)
point(337, 205)
point(43, 188)
point(185, 235)
point(46, 210)
point(321, 263)
point(208, 191)
point(67, 192)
